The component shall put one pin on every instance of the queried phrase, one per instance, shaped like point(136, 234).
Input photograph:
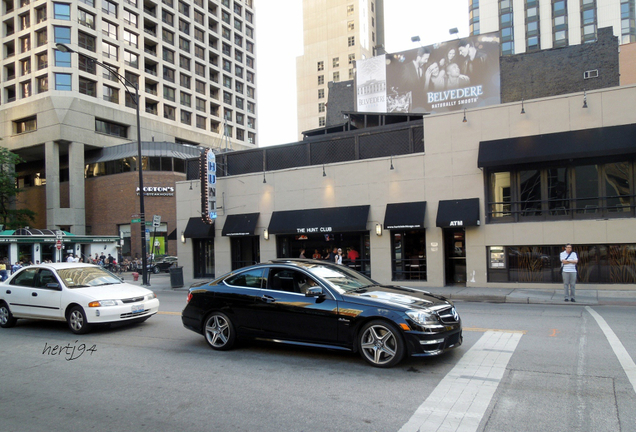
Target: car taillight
point(189, 297)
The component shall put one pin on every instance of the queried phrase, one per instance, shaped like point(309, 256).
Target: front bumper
point(127, 312)
point(420, 344)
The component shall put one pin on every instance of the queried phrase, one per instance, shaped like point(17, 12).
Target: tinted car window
point(25, 278)
point(248, 279)
point(45, 277)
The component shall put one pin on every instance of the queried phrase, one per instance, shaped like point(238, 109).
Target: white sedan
point(83, 295)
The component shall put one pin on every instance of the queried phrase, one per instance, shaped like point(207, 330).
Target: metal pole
point(142, 210)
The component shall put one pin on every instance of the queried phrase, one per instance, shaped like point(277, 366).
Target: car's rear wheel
point(77, 320)
point(219, 331)
point(381, 344)
point(6, 317)
point(155, 269)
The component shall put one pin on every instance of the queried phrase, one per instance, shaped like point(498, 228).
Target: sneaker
point(573, 301)
point(567, 300)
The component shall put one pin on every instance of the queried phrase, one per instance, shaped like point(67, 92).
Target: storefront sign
point(157, 191)
point(456, 223)
point(314, 230)
point(208, 184)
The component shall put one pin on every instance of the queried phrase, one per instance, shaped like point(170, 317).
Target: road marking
point(168, 313)
point(483, 330)
point(623, 356)
point(462, 397)
point(554, 332)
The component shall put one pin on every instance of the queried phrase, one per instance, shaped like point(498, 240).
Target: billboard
point(447, 76)
point(208, 186)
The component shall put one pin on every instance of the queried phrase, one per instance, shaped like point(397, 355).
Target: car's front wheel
point(381, 344)
point(6, 317)
point(77, 320)
point(155, 270)
point(219, 331)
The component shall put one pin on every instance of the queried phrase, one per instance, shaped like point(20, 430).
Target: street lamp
point(125, 82)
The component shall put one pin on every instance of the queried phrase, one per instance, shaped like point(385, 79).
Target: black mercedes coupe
point(316, 303)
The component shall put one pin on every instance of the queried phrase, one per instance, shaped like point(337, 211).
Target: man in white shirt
point(568, 270)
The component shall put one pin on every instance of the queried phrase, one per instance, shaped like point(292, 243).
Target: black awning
point(587, 143)
point(240, 225)
point(458, 213)
point(196, 228)
point(405, 215)
point(320, 221)
point(172, 235)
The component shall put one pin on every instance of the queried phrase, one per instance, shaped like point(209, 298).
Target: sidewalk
point(585, 297)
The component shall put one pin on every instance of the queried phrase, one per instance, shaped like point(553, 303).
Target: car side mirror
point(314, 292)
point(54, 286)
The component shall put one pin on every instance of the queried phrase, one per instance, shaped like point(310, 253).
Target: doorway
point(455, 256)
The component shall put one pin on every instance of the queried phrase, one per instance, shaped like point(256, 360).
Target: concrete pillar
point(52, 167)
point(77, 201)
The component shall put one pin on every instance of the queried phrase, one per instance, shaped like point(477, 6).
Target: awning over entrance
point(586, 143)
point(320, 221)
point(405, 215)
point(196, 228)
point(240, 225)
point(458, 213)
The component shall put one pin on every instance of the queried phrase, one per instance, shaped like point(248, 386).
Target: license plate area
point(137, 308)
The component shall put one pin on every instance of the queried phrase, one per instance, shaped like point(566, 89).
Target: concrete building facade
point(531, 25)
point(193, 64)
point(489, 198)
point(336, 33)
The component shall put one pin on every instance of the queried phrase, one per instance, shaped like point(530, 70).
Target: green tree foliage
point(11, 217)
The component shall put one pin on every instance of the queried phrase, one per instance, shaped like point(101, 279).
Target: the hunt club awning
point(586, 143)
point(320, 221)
point(240, 225)
point(405, 215)
point(458, 213)
point(196, 228)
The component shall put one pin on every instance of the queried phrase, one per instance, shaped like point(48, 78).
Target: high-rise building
point(531, 25)
point(192, 60)
point(336, 33)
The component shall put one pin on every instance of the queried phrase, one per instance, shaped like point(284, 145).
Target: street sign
point(156, 221)
point(136, 220)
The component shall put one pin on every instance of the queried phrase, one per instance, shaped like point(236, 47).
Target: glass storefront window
point(408, 260)
point(500, 198)
point(617, 187)
point(586, 188)
point(530, 192)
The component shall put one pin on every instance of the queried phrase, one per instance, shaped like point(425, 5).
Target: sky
point(279, 40)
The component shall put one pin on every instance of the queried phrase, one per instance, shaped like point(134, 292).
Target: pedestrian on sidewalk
point(568, 271)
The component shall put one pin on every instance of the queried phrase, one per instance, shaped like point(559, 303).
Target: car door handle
point(8, 291)
point(34, 294)
point(268, 299)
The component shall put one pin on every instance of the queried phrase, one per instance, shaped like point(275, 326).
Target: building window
point(201, 122)
point(588, 21)
point(336, 76)
point(227, 82)
point(62, 34)
point(25, 89)
point(62, 11)
point(168, 55)
point(86, 64)
point(41, 37)
point(336, 62)
point(110, 128)
point(408, 260)
point(350, 9)
point(168, 74)
point(130, 38)
point(321, 79)
point(185, 99)
point(184, 62)
point(185, 80)
point(109, 50)
point(63, 82)
point(184, 26)
point(169, 93)
point(42, 60)
point(43, 83)
point(167, 36)
point(40, 14)
point(86, 19)
point(86, 41)
point(25, 66)
point(532, 25)
point(62, 59)
point(321, 66)
point(109, 8)
point(87, 87)
point(186, 117)
point(169, 112)
point(130, 18)
point(111, 94)
point(321, 93)
point(351, 26)
point(321, 121)
point(109, 29)
point(351, 41)
point(321, 107)
point(28, 124)
point(167, 17)
point(352, 58)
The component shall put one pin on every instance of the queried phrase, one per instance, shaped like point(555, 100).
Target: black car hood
point(402, 297)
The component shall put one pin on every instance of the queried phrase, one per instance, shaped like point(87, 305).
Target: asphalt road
point(557, 371)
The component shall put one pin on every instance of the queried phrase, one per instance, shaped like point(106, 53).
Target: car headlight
point(151, 296)
point(422, 317)
point(102, 303)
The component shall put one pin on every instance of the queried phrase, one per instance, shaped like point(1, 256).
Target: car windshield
point(83, 277)
point(341, 278)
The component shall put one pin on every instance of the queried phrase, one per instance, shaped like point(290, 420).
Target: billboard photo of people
point(448, 76)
